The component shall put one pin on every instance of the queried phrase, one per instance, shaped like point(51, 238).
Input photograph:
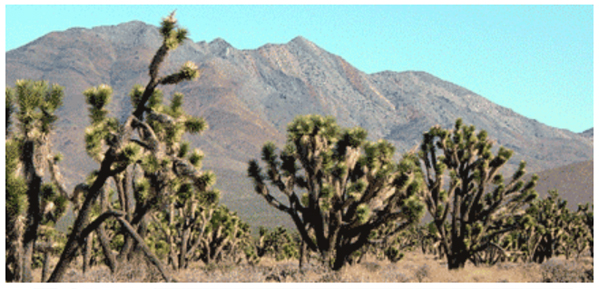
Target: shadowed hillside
point(574, 183)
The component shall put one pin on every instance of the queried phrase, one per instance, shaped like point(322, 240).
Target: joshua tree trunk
point(104, 242)
point(183, 253)
point(108, 255)
point(456, 261)
point(14, 260)
point(87, 249)
point(302, 257)
point(46, 268)
point(456, 255)
point(34, 216)
point(81, 222)
point(151, 257)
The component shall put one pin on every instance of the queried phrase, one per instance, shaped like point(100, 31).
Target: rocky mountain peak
point(220, 47)
point(588, 133)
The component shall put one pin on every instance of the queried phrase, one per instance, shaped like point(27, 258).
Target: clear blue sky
point(536, 60)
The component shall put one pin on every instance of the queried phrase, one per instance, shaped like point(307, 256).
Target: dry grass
point(414, 267)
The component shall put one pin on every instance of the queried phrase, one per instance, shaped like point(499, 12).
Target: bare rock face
point(249, 96)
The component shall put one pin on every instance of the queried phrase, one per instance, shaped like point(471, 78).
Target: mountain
point(249, 96)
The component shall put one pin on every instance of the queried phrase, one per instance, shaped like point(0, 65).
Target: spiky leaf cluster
point(169, 122)
point(102, 129)
point(16, 188)
point(36, 105)
point(171, 33)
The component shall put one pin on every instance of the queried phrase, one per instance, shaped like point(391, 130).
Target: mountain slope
point(574, 183)
point(249, 96)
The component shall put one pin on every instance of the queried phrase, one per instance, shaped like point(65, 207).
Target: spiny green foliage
point(16, 198)
point(172, 35)
point(169, 122)
point(98, 98)
point(478, 205)
point(352, 186)
point(577, 235)
point(36, 104)
point(102, 129)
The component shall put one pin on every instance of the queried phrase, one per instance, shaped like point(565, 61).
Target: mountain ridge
point(249, 96)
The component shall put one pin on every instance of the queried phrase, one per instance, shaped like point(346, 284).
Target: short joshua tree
point(477, 205)
point(339, 186)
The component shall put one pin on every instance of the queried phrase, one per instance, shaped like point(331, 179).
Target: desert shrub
point(422, 272)
point(565, 272)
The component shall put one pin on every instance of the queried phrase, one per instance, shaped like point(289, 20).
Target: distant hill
point(249, 96)
point(574, 183)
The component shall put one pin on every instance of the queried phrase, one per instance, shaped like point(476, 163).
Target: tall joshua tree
point(30, 149)
point(117, 146)
point(171, 176)
point(16, 202)
point(351, 186)
point(477, 205)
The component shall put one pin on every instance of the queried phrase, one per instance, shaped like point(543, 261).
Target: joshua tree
point(16, 200)
point(225, 237)
point(545, 227)
point(116, 147)
point(577, 234)
point(30, 149)
point(182, 226)
point(279, 243)
point(169, 171)
point(479, 204)
point(350, 186)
